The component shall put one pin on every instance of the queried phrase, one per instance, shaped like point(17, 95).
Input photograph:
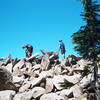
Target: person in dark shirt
point(29, 50)
point(62, 48)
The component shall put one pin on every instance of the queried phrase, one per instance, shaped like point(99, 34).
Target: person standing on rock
point(29, 50)
point(62, 48)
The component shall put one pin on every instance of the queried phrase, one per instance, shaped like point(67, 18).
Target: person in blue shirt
point(29, 50)
point(62, 48)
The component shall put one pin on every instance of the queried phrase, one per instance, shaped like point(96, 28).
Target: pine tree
point(87, 39)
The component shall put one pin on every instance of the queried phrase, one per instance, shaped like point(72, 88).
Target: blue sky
point(38, 22)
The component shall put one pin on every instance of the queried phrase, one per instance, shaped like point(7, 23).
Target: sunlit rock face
point(45, 78)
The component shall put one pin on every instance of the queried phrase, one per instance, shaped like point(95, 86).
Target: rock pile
point(44, 78)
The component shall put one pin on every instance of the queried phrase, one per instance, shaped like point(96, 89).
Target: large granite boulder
point(51, 96)
point(7, 95)
point(6, 80)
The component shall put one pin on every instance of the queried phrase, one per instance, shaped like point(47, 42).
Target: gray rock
point(72, 99)
point(49, 85)
point(77, 91)
point(23, 96)
point(7, 95)
point(5, 75)
point(45, 62)
point(82, 64)
point(24, 87)
point(38, 91)
point(86, 81)
point(49, 73)
point(6, 80)
point(17, 79)
point(65, 62)
point(57, 80)
point(83, 97)
point(66, 92)
point(19, 65)
point(28, 67)
point(9, 67)
point(42, 80)
point(32, 57)
point(51, 96)
point(36, 81)
point(73, 79)
point(36, 67)
point(57, 69)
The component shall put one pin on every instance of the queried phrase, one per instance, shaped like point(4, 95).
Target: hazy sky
point(38, 22)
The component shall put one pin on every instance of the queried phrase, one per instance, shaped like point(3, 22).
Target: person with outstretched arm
point(62, 48)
